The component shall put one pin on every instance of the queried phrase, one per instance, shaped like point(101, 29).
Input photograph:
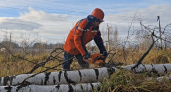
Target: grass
point(126, 81)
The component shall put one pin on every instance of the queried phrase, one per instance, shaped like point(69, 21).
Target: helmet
point(98, 13)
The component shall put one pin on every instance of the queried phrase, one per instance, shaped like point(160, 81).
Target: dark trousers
point(68, 58)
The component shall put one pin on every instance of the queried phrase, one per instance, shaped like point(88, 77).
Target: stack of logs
point(85, 80)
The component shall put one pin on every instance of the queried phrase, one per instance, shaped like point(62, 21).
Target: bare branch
point(145, 54)
point(9, 51)
point(51, 57)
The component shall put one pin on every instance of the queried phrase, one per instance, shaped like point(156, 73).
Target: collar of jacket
point(90, 18)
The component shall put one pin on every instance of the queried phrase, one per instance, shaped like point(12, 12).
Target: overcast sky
point(51, 20)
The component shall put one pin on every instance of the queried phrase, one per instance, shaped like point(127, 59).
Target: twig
point(47, 60)
point(36, 65)
point(150, 30)
point(9, 51)
point(112, 57)
point(45, 70)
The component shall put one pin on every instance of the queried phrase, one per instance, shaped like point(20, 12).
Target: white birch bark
point(78, 76)
point(159, 68)
point(62, 77)
point(86, 87)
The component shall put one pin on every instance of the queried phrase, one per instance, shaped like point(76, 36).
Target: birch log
point(78, 76)
point(86, 87)
point(62, 77)
point(158, 68)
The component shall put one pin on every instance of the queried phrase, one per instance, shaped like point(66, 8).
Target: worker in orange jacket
point(83, 32)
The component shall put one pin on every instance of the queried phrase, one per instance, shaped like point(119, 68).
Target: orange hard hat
point(98, 13)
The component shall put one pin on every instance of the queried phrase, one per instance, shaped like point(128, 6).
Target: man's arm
point(99, 42)
point(78, 37)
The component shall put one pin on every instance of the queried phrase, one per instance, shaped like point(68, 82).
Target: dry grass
point(126, 81)
point(18, 66)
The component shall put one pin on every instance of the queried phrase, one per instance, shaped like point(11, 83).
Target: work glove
point(86, 57)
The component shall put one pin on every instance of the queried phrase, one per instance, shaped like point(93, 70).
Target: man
point(83, 32)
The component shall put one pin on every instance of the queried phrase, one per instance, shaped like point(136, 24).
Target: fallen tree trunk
point(82, 87)
point(156, 68)
point(78, 76)
point(62, 77)
point(86, 87)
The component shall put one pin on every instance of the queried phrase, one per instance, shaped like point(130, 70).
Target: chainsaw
point(99, 60)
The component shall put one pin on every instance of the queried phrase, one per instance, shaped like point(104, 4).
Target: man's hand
point(86, 57)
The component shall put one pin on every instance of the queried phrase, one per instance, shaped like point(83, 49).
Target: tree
point(9, 44)
point(40, 46)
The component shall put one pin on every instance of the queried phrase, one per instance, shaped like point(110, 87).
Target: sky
point(50, 21)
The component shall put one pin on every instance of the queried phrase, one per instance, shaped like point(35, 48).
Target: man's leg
point(67, 61)
point(82, 63)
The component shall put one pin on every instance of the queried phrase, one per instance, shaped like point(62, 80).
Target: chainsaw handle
point(97, 58)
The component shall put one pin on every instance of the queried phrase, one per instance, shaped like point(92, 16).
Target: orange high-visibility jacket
point(82, 33)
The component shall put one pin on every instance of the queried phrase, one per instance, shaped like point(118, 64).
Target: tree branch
point(51, 57)
point(146, 53)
